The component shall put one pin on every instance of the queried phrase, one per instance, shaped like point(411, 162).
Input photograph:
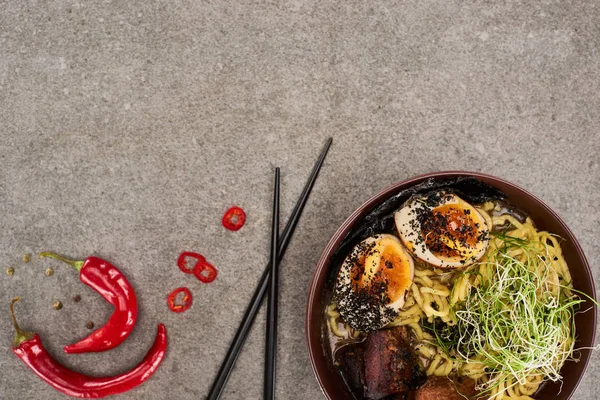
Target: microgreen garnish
point(517, 319)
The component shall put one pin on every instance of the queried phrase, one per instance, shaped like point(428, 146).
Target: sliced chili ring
point(182, 263)
point(205, 272)
point(234, 218)
point(186, 301)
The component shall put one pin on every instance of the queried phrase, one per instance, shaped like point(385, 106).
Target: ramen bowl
point(321, 288)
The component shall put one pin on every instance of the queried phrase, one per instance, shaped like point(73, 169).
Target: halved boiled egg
point(443, 230)
point(372, 282)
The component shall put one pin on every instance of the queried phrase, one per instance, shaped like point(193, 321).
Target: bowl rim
point(386, 191)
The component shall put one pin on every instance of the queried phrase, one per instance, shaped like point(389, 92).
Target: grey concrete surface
point(127, 128)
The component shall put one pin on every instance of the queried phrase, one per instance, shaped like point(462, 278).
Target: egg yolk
point(450, 231)
point(393, 272)
point(385, 267)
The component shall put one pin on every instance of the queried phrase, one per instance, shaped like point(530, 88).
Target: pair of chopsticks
point(278, 247)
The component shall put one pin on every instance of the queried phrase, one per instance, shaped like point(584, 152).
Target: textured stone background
point(127, 128)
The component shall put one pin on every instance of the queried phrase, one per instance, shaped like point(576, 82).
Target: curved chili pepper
point(183, 264)
point(29, 348)
point(107, 280)
point(205, 272)
point(186, 302)
point(234, 218)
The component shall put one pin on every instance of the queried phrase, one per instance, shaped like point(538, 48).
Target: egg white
point(364, 318)
point(409, 230)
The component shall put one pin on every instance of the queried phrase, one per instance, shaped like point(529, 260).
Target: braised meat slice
point(391, 364)
point(351, 358)
point(443, 388)
point(400, 396)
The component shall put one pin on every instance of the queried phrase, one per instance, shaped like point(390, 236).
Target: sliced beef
point(391, 364)
point(400, 396)
point(351, 359)
point(443, 388)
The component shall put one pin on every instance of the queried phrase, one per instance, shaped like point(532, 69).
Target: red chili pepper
point(205, 272)
point(29, 348)
point(182, 263)
point(186, 302)
point(234, 218)
point(107, 280)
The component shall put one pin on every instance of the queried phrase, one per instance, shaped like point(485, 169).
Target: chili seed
point(57, 305)
point(10, 271)
point(26, 257)
point(77, 298)
point(49, 272)
point(89, 325)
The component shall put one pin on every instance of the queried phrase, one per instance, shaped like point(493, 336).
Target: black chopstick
point(271, 343)
point(248, 319)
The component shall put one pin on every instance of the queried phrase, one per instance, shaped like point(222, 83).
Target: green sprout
point(516, 321)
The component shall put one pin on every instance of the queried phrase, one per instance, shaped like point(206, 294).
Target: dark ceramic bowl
point(545, 219)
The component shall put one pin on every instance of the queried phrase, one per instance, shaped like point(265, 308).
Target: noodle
point(430, 298)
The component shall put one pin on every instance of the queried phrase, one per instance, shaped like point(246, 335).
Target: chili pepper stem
point(76, 264)
point(20, 335)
